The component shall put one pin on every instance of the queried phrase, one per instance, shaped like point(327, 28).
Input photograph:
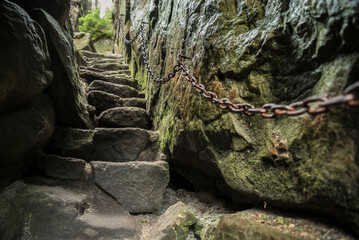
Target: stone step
point(61, 167)
point(107, 144)
point(123, 91)
point(88, 54)
point(92, 61)
point(103, 101)
point(124, 117)
point(110, 66)
point(122, 79)
point(138, 186)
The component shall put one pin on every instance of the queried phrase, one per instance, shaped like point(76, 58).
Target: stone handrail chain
point(350, 95)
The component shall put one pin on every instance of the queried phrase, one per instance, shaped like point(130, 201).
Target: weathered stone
point(91, 76)
point(104, 46)
point(174, 223)
point(124, 117)
point(108, 66)
point(233, 227)
point(66, 91)
point(21, 132)
point(123, 91)
point(103, 100)
point(256, 52)
point(61, 167)
point(51, 212)
point(83, 41)
point(134, 102)
point(138, 186)
point(23, 76)
point(105, 144)
point(99, 55)
point(58, 9)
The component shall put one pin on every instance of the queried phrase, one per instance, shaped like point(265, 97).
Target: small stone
point(90, 233)
point(291, 225)
point(304, 234)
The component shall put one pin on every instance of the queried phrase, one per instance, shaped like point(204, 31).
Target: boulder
point(138, 186)
point(83, 41)
point(123, 91)
point(107, 144)
point(21, 132)
point(174, 223)
point(58, 9)
point(124, 117)
point(104, 46)
point(233, 227)
point(25, 63)
point(66, 90)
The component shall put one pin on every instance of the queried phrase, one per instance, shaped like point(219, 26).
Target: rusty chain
point(311, 105)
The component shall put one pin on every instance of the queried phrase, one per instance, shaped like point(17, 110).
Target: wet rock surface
point(256, 52)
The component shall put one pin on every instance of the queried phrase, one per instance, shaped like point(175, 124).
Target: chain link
point(312, 105)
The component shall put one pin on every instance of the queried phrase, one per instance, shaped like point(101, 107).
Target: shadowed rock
point(107, 144)
point(124, 117)
point(24, 75)
point(123, 91)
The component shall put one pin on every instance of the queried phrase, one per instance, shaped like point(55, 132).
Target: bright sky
point(103, 5)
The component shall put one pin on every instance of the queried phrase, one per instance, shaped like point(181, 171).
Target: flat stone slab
point(107, 144)
point(29, 211)
point(61, 167)
point(122, 91)
point(117, 78)
point(124, 117)
point(138, 186)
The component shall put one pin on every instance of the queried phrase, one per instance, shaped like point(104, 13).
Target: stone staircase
point(121, 156)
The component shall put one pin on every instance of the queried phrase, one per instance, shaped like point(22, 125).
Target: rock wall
point(78, 8)
point(39, 84)
point(255, 51)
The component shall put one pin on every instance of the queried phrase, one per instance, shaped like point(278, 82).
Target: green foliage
point(95, 25)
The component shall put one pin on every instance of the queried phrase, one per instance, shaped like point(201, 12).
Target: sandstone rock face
point(25, 62)
point(257, 52)
point(21, 132)
point(83, 41)
point(66, 91)
point(78, 8)
point(138, 186)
